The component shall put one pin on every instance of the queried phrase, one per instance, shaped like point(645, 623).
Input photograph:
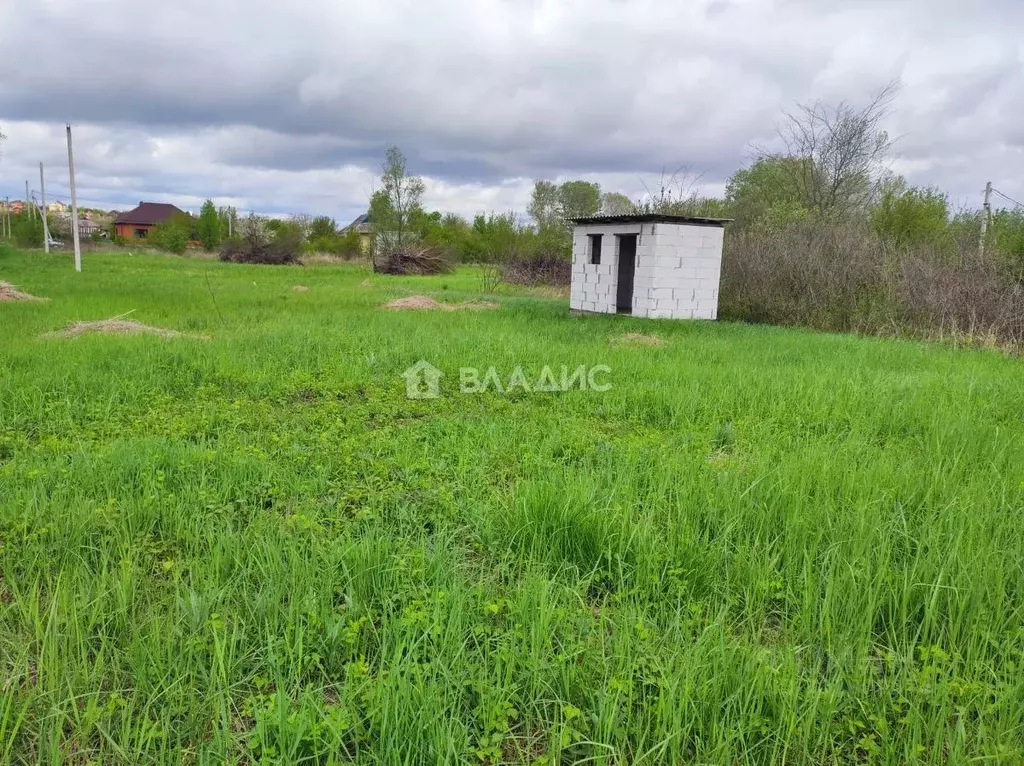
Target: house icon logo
point(422, 381)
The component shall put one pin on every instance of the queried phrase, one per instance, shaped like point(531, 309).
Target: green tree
point(839, 151)
point(394, 206)
point(614, 203)
point(909, 216)
point(322, 227)
point(322, 235)
point(768, 191)
point(208, 227)
point(544, 205)
point(577, 199)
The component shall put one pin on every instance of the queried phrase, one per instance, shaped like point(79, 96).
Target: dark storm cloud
point(280, 104)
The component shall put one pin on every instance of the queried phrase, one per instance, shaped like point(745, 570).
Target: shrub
point(347, 244)
point(538, 271)
point(973, 298)
point(815, 272)
point(501, 238)
point(27, 230)
point(259, 243)
point(841, 276)
point(908, 217)
point(173, 235)
point(322, 245)
point(350, 244)
point(1006, 238)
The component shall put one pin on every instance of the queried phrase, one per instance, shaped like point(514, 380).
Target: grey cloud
point(216, 97)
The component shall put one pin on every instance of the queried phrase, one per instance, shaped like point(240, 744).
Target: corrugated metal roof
point(596, 220)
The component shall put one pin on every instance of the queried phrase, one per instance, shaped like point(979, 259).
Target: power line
point(1007, 197)
point(50, 195)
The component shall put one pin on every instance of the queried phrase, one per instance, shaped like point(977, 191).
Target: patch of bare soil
point(423, 303)
point(300, 289)
point(638, 339)
point(9, 292)
point(112, 327)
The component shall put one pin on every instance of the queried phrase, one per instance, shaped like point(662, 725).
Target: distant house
point(57, 207)
point(17, 207)
point(86, 227)
point(363, 226)
point(137, 223)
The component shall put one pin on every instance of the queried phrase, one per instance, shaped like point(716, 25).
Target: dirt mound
point(423, 303)
point(112, 327)
point(300, 289)
point(638, 339)
point(9, 292)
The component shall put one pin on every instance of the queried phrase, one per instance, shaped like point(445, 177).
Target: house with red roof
point(138, 223)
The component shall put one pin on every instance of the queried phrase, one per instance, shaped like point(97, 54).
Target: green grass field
point(760, 546)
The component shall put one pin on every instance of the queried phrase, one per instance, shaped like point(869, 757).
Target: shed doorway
point(627, 268)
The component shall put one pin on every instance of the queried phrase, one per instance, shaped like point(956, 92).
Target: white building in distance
point(648, 265)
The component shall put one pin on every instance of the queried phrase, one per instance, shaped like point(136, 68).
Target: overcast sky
point(287, 106)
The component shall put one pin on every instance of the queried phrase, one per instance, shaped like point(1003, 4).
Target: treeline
point(823, 235)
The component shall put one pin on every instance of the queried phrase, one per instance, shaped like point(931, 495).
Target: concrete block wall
point(687, 271)
point(678, 268)
point(594, 285)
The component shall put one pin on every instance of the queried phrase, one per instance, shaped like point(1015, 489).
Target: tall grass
point(762, 545)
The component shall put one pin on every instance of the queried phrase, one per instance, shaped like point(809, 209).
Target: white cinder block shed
point(647, 265)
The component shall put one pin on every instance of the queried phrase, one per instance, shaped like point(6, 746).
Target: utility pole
point(28, 202)
point(42, 195)
point(986, 218)
point(74, 203)
point(7, 217)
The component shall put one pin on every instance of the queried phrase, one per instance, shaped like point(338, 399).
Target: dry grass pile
point(423, 303)
point(112, 327)
point(9, 292)
point(419, 261)
point(300, 289)
point(638, 339)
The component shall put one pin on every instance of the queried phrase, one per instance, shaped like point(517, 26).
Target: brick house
point(649, 265)
point(364, 228)
point(138, 223)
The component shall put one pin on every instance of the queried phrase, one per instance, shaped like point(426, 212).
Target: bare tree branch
point(841, 150)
